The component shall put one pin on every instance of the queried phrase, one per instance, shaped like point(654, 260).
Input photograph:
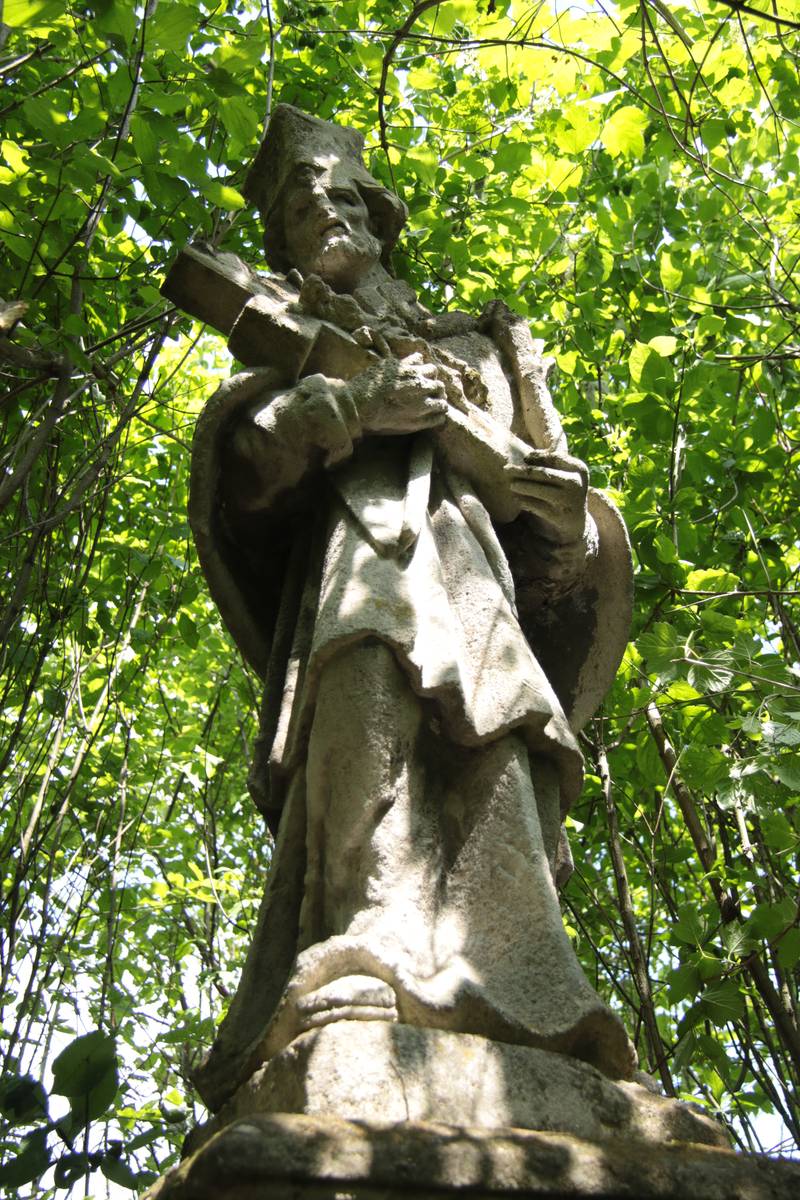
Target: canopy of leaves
point(624, 175)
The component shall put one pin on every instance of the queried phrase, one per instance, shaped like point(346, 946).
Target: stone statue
point(397, 537)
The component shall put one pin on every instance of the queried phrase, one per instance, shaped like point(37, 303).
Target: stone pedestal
point(379, 1071)
point(369, 1110)
point(323, 1158)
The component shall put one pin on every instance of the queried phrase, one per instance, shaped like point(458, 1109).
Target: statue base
point(370, 1110)
point(294, 1157)
point(381, 1071)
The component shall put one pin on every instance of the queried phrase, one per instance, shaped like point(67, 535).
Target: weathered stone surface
point(294, 1157)
point(382, 1072)
point(214, 287)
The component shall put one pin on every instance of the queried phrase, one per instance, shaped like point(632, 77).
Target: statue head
point(322, 210)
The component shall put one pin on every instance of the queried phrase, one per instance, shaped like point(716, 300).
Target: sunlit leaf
point(724, 1000)
point(623, 132)
point(30, 12)
point(665, 346)
point(223, 195)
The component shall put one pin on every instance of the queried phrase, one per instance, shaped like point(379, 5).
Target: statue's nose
point(326, 210)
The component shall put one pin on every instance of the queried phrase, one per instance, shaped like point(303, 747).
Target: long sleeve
point(281, 437)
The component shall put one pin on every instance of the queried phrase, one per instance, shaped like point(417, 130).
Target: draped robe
point(415, 759)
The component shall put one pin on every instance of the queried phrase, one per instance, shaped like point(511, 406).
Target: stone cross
point(254, 312)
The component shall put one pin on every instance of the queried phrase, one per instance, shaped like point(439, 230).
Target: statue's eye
point(300, 199)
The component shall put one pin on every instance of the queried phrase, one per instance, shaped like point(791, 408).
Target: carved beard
point(345, 257)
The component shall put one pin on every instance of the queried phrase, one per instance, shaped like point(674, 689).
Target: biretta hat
point(295, 139)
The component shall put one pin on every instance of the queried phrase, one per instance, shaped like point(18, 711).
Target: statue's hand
point(318, 299)
point(552, 489)
point(387, 339)
point(399, 396)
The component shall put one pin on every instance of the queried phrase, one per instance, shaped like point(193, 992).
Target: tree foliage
point(626, 176)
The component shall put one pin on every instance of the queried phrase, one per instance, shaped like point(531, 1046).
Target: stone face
point(293, 1158)
point(389, 1073)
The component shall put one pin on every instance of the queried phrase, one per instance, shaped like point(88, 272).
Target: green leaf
point(704, 766)
point(84, 1064)
point(711, 579)
point(665, 549)
point(723, 1001)
point(188, 630)
point(714, 673)
point(119, 1172)
point(240, 118)
point(69, 1168)
point(423, 161)
point(683, 982)
point(659, 646)
point(718, 624)
point(101, 164)
point(644, 413)
point(778, 832)
point(116, 17)
point(782, 733)
point(145, 1139)
point(623, 132)
point(22, 1099)
point(770, 920)
point(223, 195)
point(664, 346)
point(31, 1162)
point(18, 13)
point(511, 155)
point(145, 138)
point(789, 950)
point(166, 102)
point(16, 156)
point(671, 275)
point(691, 1018)
point(737, 941)
point(691, 926)
point(637, 360)
point(97, 1101)
point(787, 769)
point(173, 24)
point(46, 115)
point(686, 1051)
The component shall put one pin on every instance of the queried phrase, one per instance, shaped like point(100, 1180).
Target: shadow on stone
point(327, 1158)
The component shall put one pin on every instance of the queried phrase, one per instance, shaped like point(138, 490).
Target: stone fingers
point(558, 462)
point(424, 414)
point(556, 497)
point(548, 482)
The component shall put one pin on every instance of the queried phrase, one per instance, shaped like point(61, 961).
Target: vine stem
point(640, 972)
point(391, 50)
